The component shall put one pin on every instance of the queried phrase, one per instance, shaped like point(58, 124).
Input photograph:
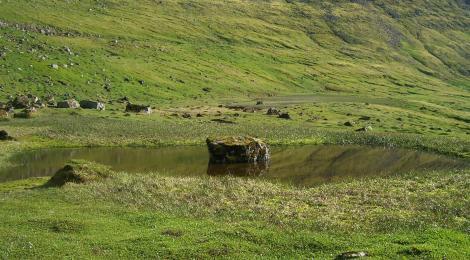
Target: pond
point(299, 165)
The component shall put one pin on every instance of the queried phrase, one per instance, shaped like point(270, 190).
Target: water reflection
point(299, 165)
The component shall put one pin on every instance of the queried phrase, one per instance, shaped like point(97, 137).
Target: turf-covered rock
point(138, 108)
point(71, 103)
point(87, 104)
point(79, 172)
point(237, 149)
point(25, 113)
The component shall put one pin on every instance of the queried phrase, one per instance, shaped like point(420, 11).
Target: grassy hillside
point(415, 50)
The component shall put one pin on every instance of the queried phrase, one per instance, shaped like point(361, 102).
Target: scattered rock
point(222, 121)
point(141, 82)
point(284, 115)
point(79, 172)
point(55, 66)
point(249, 110)
point(365, 118)
point(199, 115)
point(350, 123)
point(50, 101)
point(25, 113)
point(22, 101)
point(123, 100)
point(364, 129)
point(186, 115)
point(87, 104)
point(237, 149)
point(272, 111)
point(71, 103)
point(206, 89)
point(259, 102)
point(4, 114)
point(138, 108)
point(351, 255)
point(4, 136)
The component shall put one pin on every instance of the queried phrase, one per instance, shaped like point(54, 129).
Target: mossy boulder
point(79, 172)
point(237, 149)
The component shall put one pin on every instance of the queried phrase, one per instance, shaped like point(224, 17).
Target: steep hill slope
point(161, 51)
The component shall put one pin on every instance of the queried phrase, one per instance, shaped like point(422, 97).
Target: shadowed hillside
point(166, 50)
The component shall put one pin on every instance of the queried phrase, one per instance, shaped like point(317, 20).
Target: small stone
point(364, 129)
point(138, 108)
point(187, 115)
point(55, 66)
point(351, 255)
point(272, 111)
point(4, 136)
point(284, 115)
point(87, 104)
point(350, 123)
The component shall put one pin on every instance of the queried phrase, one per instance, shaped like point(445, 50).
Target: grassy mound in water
point(150, 216)
point(78, 171)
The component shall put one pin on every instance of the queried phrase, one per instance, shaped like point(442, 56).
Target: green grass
point(413, 51)
point(154, 216)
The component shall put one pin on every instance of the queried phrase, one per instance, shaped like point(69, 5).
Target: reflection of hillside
point(310, 165)
point(302, 165)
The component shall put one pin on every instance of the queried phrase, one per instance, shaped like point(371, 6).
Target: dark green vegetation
point(401, 67)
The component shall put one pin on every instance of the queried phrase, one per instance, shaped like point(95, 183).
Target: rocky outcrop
point(138, 108)
point(237, 149)
point(71, 103)
point(87, 104)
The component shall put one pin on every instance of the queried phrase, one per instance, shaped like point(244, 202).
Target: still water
point(298, 165)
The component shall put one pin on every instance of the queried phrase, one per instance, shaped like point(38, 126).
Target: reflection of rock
point(237, 149)
point(238, 169)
